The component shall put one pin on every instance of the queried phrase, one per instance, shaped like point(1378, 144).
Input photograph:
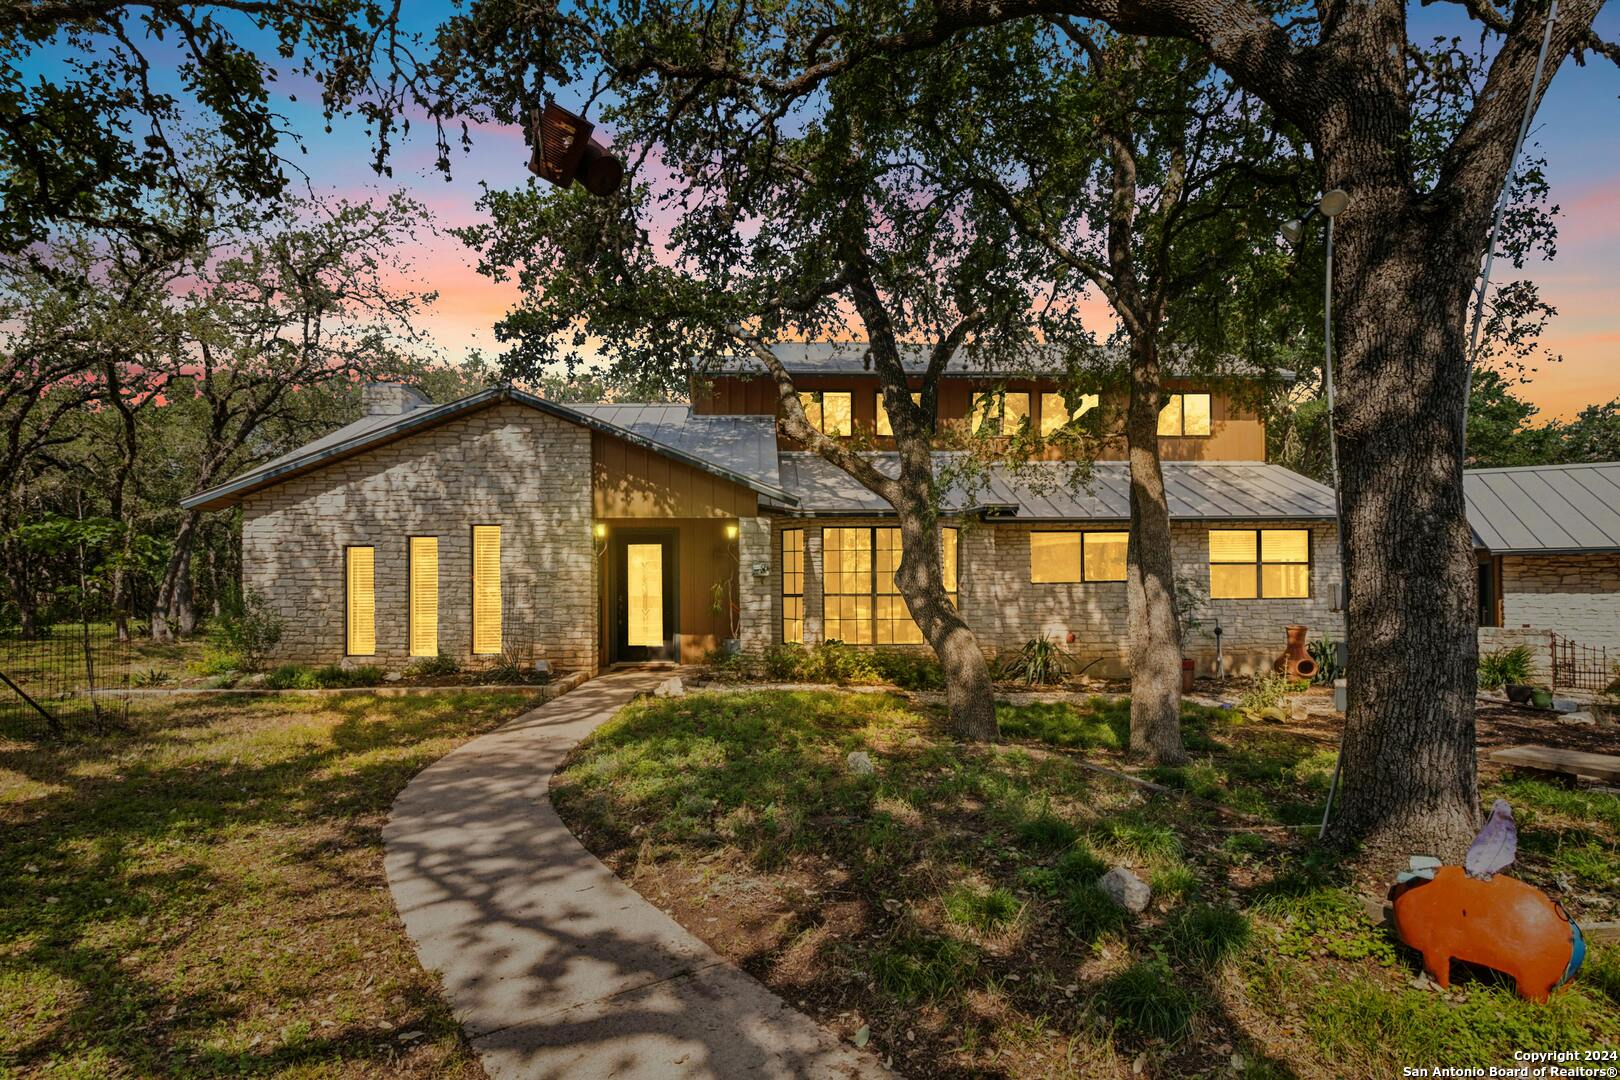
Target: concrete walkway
point(554, 967)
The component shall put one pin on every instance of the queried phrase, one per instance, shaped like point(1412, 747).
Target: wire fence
point(69, 679)
point(1581, 667)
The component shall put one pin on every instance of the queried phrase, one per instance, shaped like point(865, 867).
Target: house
point(1547, 539)
point(598, 534)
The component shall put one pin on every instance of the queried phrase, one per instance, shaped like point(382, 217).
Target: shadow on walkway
point(555, 967)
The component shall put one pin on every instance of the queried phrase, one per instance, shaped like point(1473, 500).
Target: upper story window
point(1009, 410)
point(1066, 558)
point(830, 412)
point(1185, 414)
point(1055, 411)
point(883, 425)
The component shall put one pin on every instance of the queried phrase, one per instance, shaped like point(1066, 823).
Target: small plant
point(844, 664)
point(982, 911)
point(791, 662)
point(1326, 655)
point(1503, 666)
point(151, 677)
point(1205, 935)
point(909, 670)
point(1041, 662)
point(1267, 693)
point(291, 677)
point(1090, 912)
point(1147, 998)
point(731, 667)
point(1047, 831)
point(917, 968)
point(430, 666)
point(217, 661)
point(251, 633)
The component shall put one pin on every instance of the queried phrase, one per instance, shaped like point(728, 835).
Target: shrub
point(909, 670)
point(726, 666)
point(1503, 666)
point(791, 662)
point(427, 666)
point(335, 676)
point(844, 664)
point(250, 633)
point(291, 677)
point(1041, 662)
point(1267, 692)
point(1148, 999)
point(217, 661)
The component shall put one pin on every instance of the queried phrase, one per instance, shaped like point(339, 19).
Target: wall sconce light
point(731, 531)
point(599, 530)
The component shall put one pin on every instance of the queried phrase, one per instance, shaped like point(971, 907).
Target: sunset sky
point(1577, 129)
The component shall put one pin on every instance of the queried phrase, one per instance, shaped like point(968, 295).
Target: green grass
point(954, 893)
point(203, 894)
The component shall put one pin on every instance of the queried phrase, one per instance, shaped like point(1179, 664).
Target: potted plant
point(721, 604)
point(1189, 609)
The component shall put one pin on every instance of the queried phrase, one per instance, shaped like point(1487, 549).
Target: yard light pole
point(1329, 206)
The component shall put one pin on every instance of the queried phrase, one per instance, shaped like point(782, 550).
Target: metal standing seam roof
point(850, 358)
point(1051, 491)
point(741, 440)
point(1545, 508)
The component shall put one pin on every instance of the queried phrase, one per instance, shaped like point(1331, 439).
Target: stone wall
point(1005, 609)
point(1577, 596)
point(507, 465)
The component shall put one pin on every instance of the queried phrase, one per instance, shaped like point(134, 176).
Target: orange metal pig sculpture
point(1499, 922)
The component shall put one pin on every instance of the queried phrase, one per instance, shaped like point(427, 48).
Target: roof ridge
point(1533, 468)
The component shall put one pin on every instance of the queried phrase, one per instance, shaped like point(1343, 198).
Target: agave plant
point(1041, 662)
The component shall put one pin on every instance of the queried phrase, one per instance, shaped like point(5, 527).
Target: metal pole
point(1496, 224)
point(1338, 499)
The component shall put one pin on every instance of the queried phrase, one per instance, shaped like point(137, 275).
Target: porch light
point(731, 530)
point(564, 152)
point(599, 530)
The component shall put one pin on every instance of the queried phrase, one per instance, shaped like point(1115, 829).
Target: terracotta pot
point(1297, 657)
point(1188, 670)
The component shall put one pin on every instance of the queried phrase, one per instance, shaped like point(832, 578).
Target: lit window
point(1054, 557)
point(792, 584)
point(830, 412)
point(862, 605)
point(486, 589)
point(1011, 407)
point(883, 426)
point(424, 595)
point(360, 620)
point(1245, 564)
point(1055, 411)
point(1185, 414)
point(1104, 555)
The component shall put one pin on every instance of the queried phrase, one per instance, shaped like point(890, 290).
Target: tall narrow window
point(486, 589)
point(1245, 564)
point(424, 595)
point(947, 560)
point(847, 599)
point(792, 584)
point(830, 412)
point(1055, 411)
point(1185, 414)
point(894, 623)
point(360, 633)
point(883, 425)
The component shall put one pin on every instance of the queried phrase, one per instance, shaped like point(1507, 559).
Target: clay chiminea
point(1296, 659)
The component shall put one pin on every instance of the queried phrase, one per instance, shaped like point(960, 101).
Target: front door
point(645, 610)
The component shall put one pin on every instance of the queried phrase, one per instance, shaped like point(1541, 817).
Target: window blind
point(486, 589)
point(424, 615)
point(361, 631)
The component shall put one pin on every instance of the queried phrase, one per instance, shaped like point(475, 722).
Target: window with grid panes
point(1185, 414)
point(792, 584)
point(862, 604)
point(1267, 564)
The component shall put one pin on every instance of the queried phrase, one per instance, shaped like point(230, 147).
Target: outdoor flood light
point(564, 152)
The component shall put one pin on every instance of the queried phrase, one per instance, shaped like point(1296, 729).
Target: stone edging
point(545, 691)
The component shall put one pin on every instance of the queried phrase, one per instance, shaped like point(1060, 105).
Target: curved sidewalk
point(553, 966)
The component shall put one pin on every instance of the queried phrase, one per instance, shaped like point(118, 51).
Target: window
point(486, 589)
point(1246, 564)
point(1185, 414)
point(360, 621)
point(1055, 411)
point(829, 411)
point(792, 584)
point(862, 604)
point(883, 426)
point(424, 596)
point(1012, 407)
point(1065, 558)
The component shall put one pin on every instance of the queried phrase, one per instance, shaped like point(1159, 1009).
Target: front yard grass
point(204, 894)
point(948, 903)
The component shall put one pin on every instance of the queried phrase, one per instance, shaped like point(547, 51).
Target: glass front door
point(644, 586)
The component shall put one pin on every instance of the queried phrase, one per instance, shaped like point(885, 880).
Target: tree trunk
point(165, 605)
point(185, 607)
point(1150, 576)
point(1409, 770)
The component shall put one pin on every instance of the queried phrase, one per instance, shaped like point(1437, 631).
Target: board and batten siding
point(632, 482)
point(507, 465)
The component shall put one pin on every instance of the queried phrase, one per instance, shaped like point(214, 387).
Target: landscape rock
point(255, 680)
point(1127, 890)
point(860, 763)
point(393, 676)
point(670, 688)
point(1577, 718)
